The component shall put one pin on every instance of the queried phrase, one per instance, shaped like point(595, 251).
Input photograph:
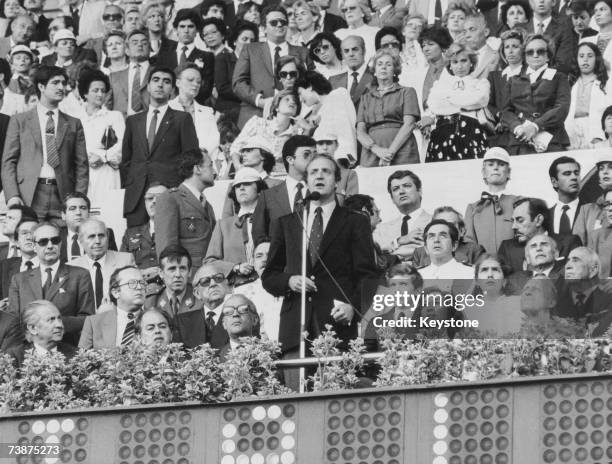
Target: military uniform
point(182, 219)
point(138, 241)
point(161, 301)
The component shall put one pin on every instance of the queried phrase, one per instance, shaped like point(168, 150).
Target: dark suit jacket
point(117, 98)
point(560, 31)
point(393, 17)
point(490, 10)
point(332, 22)
point(342, 80)
point(140, 167)
point(8, 268)
point(546, 103)
point(225, 62)
point(97, 45)
point(191, 330)
point(254, 75)
point(11, 335)
point(138, 241)
point(160, 300)
point(23, 156)
point(41, 30)
point(517, 280)
point(71, 291)
point(226, 242)
point(204, 60)
point(597, 303)
point(19, 351)
point(80, 54)
point(4, 123)
point(271, 205)
point(513, 252)
point(347, 249)
point(112, 244)
point(552, 210)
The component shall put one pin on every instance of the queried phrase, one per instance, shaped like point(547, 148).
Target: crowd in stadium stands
point(284, 100)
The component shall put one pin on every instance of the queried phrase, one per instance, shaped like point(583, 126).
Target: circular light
point(441, 400)
point(440, 447)
point(67, 425)
point(227, 460)
point(38, 427)
point(288, 442)
point(440, 460)
point(52, 439)
point(440, 432)
point(440, 416)
point(288, 426)
point(229, 430)
point(287, 457)
point(53, 426)
point(257, 459)
point(274, 412)
point(228, 446)
point(242, 459)
point(259, 413)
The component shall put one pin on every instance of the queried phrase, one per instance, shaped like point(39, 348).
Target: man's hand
point(295, 284)
point(14, 201)
point(414, 237)
point(343, 313)
point(244, 268)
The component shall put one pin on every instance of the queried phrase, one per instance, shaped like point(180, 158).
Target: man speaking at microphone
point(340, 264)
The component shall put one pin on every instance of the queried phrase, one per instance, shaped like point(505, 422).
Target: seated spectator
point(349, 183)
point(275, 130)
point(386, 117)
point(307, 17)
point(328, 110)
point(213, 35)
point(591, 95)
point(580, 14)
point(454, 20)
point(240, 319)
point(188, 83)
point(539, 299)
point(227, 102)
point(112, 20)
point(116, 326)
point(14, 215)
point(252, 12)
point(600, 240)
point(529, 218)
point(389, 38)
point(212, 9)
point(140, 240)
point(357, 14)
point(10, 10)
point(153, 327)
point(114, 46)
point(232, 239)
point(515, 14)
point(268, 306)
point(65, 24)
point(104, 131)
point(26, 262)
point(402, 235)
point(488, 221)
point(326, 53)
point(44, 331)
point(501, 312)
point(467, 252)
point(288, 71)
point(537, 104)
point(456, 100)
point(441, 240)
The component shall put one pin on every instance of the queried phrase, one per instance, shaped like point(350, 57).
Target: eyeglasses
point(277, 22)
point(112, 17)
point(321, 48)
point(348, 8)
point(390, 45)
point(205, 281)
point(43, 242)
point(231, 310)
point(536, 51)
point(134, 284)
point(288, 74)
point(607, 204)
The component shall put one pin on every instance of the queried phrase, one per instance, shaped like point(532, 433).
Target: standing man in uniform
point(185, 217)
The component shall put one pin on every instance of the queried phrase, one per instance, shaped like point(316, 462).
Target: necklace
point(385, 89)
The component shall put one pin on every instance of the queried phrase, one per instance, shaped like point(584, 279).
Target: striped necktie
point(128, 333)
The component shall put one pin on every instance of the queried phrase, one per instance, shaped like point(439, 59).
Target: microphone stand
point(303, 297)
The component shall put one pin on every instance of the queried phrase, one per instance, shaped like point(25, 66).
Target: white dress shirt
point(217, 311)
point(292, 189)
point(545, 23)
point(34, 261)
point(46, 171)
point(162, 111)
point(431, 14)
point(571, 213)
point(450, 270)
point(92, 273)
point(284, 49)
point(43, 271)
point(144, 67)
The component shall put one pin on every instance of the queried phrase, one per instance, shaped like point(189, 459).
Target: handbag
point(109, 139)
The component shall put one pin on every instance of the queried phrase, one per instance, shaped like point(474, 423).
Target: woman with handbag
point(104, 131)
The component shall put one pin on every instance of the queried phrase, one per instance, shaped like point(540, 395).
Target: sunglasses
point(134, 284)
point(277, 22)
point(348, 8)
point(288, 74)
point(536, 51)
point(43, 242)
point(112, 17)
point(607, 204)
point(321, 48)
point(231, 310)
point(205, 281)
point(390, 45)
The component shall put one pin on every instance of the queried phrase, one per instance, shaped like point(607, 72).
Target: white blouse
point(451, 95)
point(94, 127)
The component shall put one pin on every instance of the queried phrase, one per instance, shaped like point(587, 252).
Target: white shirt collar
point(162, 111)
point(509, 72)
point(101, 260)
point(292, 189)
point(43, 110)
point(284, 48)
point(43, 270)
point(180, 46)
point(246, 210)
point(573, 205)
point(34, 261)
point(545, 23)
point(359, 72)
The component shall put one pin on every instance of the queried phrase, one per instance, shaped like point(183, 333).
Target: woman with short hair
point(357, 14)
point(326, 53)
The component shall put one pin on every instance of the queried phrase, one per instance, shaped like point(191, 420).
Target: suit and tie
point(161, 300)
point(121, 89)
point(560, 31)
point(8, 268)
point(192, 330)
point(271, 205)
point(346, 80)
point(142, 164)
point(332, 22)
point(67, 240)
point(553, 211)
point(100, 331)
point(254, 75)
point(185, 221)
point(71, 291)
point(23, 159)
point(108, 263)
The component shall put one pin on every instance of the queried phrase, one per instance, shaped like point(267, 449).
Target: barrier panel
point(560, 419)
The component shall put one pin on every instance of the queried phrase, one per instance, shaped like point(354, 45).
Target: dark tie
point(174, 305)
point(210, 322)
point(276, 55)
point(152, 128)
point(580, 304)
point(485, 198)
point(316, 236)
point(128, 333)
point(98, 284)
point(564, 224)
point(354, 84)
point(298, 199)
point(438, 12)
point(52, 154)
point(75, 250)
point(48, 281)
point(540, 29)
point(183, 59)
point(137, 104)
point(404, 230)
point(29, 265)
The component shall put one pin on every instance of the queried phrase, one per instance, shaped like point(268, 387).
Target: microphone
point(312, 196)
